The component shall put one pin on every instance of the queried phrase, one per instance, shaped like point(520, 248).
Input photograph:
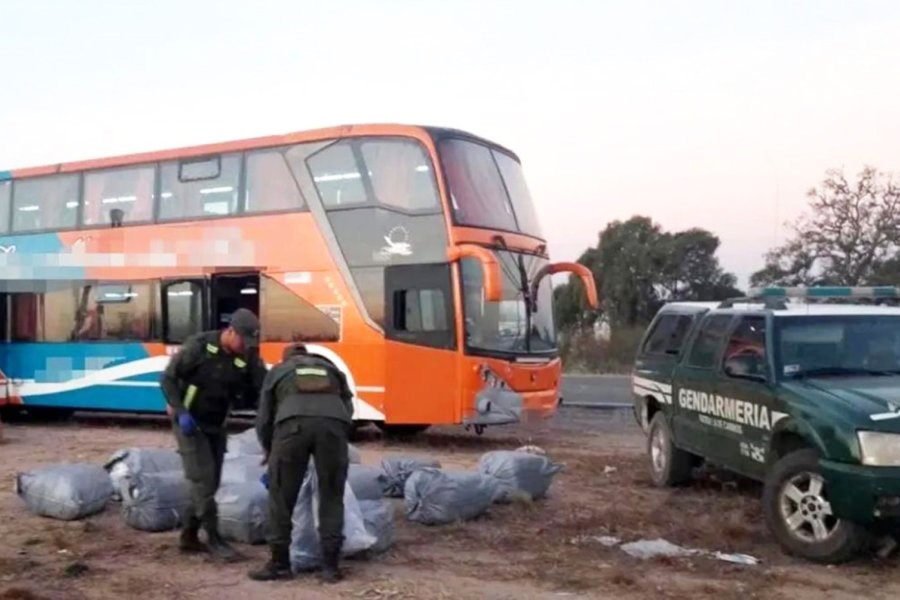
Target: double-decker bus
point(411, 257)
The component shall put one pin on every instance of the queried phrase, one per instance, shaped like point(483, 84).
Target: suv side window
point(748, 340)
point(708, 341)
point(668, 335)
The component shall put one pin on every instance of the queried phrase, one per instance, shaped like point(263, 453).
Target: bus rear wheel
point(23, 414)
point(49, 414)
point(400, 430)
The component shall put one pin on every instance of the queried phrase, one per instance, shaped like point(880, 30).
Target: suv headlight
point(879, 449)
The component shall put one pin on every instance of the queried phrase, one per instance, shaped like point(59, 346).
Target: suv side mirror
point(746, 366)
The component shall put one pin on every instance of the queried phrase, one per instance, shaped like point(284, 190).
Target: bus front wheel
point(400, 430)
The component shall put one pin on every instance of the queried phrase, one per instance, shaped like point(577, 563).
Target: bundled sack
point(67, 491)
point(242, 469)
point(155, 501)
point(518, 474)
point(353, 454)
point(306, 551)
point(128, 462)
point(242, 511)
point(378, 516)
point(435, 497)
point(368, 483)
point(245, 443)
point(397, 469)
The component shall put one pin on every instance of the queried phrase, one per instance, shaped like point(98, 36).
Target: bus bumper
point(494, 406)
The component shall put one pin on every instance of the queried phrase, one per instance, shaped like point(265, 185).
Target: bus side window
point(46, 203)
point(5, 196)
point(199, 188)
point(420, 310)
point(337, 177)
point(183, 310)
point(24, 317)
point(270, 184)
point(287, 317)
point(43, 317)
point(119, 311)
point(119, 196)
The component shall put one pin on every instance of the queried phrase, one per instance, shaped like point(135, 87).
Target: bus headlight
point(879, 449)
point(491, 379)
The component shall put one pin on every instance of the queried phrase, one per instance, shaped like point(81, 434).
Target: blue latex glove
point(187, 423)
point(264, 480)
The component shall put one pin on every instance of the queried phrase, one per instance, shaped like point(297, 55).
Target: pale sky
point(697, 113)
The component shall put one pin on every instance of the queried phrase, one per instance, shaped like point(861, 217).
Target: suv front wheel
point(799, 515)
point(669, 465)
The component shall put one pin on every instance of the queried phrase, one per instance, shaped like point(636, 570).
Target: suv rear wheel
point(669, 465)
point(798, 512)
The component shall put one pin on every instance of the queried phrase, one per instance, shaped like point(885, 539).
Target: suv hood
point(873, 398)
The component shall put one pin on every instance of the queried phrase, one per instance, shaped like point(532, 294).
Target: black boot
point(219, 548)
point(189, 542)
point(331, 554)
point(278, 567)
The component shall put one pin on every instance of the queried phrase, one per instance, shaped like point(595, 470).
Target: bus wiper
point(837, 371)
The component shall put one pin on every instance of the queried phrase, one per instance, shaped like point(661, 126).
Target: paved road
point(596, 390)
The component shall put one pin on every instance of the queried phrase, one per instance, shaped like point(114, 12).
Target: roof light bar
point(826, 292)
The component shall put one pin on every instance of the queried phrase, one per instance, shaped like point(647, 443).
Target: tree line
point(849, 234)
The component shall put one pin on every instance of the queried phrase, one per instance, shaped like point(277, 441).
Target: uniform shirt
point(205, 380)
point(282, 396)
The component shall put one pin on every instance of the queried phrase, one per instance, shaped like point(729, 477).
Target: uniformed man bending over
point(200, 384)
point(305, 409)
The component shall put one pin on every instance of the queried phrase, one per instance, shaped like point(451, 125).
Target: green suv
point(803, 396)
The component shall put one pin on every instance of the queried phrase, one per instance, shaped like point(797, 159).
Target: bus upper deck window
point(199, 170)
point(46, 203)
point(119, 196)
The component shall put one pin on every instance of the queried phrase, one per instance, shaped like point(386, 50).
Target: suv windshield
point(838, 345)
point(508, 326)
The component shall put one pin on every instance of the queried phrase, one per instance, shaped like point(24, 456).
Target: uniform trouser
point(293, 442)
point(202, 455)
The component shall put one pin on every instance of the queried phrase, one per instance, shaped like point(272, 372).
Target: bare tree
point(851, 232)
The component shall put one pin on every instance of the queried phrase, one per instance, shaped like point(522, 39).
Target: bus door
point(185, 309)
point(229, 292)
point(422, 379)
point(192, 305)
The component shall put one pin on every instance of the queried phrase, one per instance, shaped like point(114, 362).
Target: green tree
point(637, 266)
point(849, 236)
point(628, 269)
point(691, 270)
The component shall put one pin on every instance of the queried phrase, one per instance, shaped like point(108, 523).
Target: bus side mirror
point(583, 273)
point(493, 286)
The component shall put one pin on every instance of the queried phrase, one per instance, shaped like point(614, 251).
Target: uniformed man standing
point(200, 384)
point(305, 409)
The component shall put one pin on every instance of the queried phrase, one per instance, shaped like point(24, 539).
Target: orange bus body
point(402, 374)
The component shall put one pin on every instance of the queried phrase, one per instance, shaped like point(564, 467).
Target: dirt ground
point(548, 549)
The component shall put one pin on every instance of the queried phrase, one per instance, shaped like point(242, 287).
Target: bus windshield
point(487, 188)
point(508, 326)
